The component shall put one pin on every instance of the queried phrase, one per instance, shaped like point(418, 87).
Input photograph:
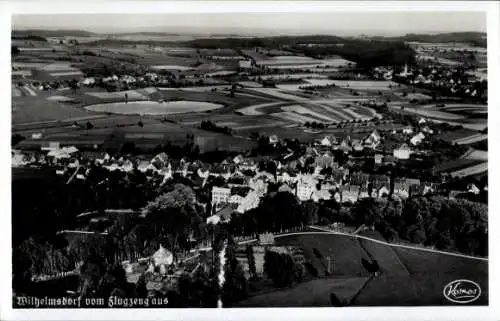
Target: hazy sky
point(332, 22)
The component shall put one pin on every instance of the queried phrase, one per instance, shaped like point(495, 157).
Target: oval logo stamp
point(462, 291)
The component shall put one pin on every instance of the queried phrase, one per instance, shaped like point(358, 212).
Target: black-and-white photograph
point(256, 160)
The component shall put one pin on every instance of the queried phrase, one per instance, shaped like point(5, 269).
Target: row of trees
point(209, 126)
point(282, 269)
point(448, 224)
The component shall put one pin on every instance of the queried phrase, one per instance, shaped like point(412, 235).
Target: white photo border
point(351, 313)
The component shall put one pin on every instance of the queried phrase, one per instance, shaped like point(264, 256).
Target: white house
point(214, 219)
point(162, 259)
point(273, 139)
point(305, 187)
point(128, 79)
point(403, 152)
point(89, 81)
point(245, 64)
point(373, 140)
point(258, 186)
point(102, 159)
point(328, 141)
point(417, 139)
point(427, 130)
point(321, 194)
point(287, 178)
point(248, 165)
point(235, 199)
point(220, 195)
point(250, 201)
point(382, 191)
point(238, 159)
point(402, 190)
point(407, 130)
point(472, 188)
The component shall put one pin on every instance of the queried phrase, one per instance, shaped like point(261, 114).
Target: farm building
point(417, 139)
point(402, 152)
point(245, 64)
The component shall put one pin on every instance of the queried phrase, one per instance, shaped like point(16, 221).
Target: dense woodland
point(366, 53)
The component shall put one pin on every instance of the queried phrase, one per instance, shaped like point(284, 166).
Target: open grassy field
point(32, 105)
point(237, 122)
point(476, 155)
point(346, 252)
point(456, 164)
point(30, 109)
point(430, 272)
point(428, 113)
point(471, 170)
point(154, 107)
point(145, 137)
point(409, 277)
point(294, 76)
point(314, 293)
point(300, 62)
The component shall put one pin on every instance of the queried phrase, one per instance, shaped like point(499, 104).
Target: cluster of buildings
point(314, 175)
point(429, 74)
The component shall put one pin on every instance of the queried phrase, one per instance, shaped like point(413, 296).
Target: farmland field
point(429, 113)
point(172, 67)
point(236, 122)
point(457, 135)
point(154, 108)
point(132, 95)
point(476, 154)
point(456, 164)
point(33, 109)
point(365, 84)
point(294, 76)
point(328, 111)
point(299, 62)
point(471, 170)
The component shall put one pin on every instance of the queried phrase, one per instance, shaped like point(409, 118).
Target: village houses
point(402, 152)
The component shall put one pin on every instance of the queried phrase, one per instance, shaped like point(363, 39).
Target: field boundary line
point(324, 231)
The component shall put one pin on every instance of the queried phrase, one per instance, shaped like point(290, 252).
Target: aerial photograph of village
point(238, 167)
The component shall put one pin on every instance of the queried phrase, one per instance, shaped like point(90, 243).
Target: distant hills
point(52, 33)
point(474, 38)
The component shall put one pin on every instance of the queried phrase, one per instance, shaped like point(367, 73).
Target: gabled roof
point(285, 188)
point(163, 256)
point(401, 186)
point(241, 191)
point(412, 181)
point(226, 212)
